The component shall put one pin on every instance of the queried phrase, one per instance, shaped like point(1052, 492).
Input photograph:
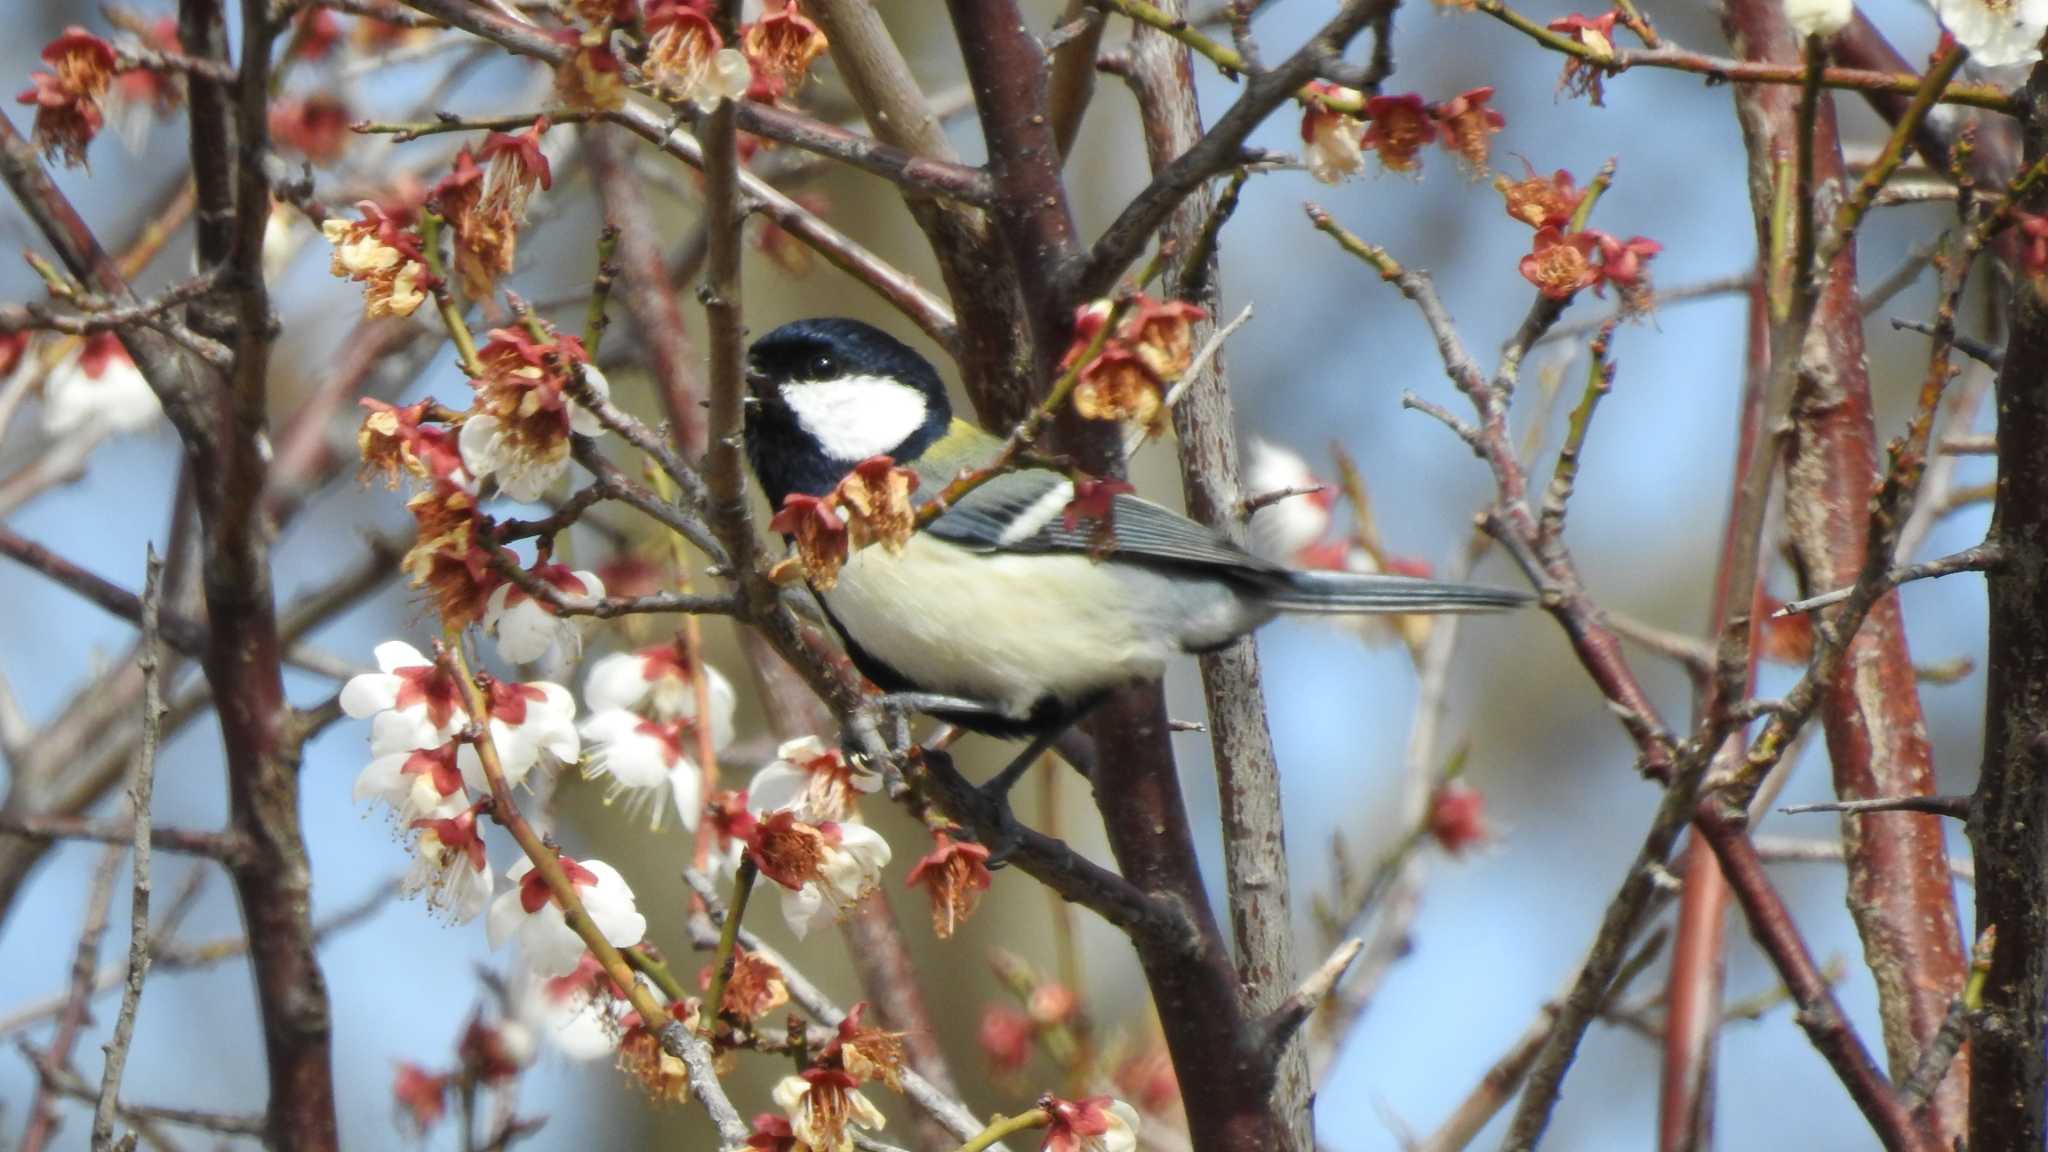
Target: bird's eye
point(822, 367)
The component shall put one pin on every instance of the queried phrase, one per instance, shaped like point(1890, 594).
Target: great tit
point(1005, 614)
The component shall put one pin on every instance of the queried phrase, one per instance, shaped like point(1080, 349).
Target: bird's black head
point(830, 393)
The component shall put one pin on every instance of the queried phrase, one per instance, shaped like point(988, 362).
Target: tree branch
point(141, 788)
point(2008, 1067)
point(1247, 771)
point(1218, 150)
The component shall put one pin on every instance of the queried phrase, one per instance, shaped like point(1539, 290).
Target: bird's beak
point(748, 403)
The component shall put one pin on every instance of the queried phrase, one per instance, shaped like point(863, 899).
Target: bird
point(1005, 615)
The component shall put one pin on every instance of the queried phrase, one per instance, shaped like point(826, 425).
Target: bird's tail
point(1358, 593)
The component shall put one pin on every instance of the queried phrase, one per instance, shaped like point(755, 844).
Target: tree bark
point(2009, 821)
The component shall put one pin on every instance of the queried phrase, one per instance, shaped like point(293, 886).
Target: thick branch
point(231, 457)
point(1247, 772)
point(2009, 1067)
point(1900, 894)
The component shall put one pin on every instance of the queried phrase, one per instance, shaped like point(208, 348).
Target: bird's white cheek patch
point(857, 417)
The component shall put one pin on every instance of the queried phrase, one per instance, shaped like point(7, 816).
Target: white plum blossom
point(1819, 17)
point(820, 1104)
point(1333, 143)
point(575, 1013)
point(419, 784)
point(546, 942)
point(448, 864)
point(530, 723)
point(525, 463)
point(1097, 1124)
point(812, 780)
point(411, 702)
point(646, 761)
point(686, 58)
point(1997, 32)
point(1283, 530)
point(823, 869)
point(527, 627)
point(98, 389)
point(656, 682)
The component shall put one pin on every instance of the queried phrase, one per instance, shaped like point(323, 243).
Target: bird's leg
point(995, 795)
point(999, 785)
point(934, 702)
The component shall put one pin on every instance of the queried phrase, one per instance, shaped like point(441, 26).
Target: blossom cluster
point(682, 56)
point(516, 435)
point(1565, 258)
point(1124, 374)
point(869, 505)
point(1340, 125)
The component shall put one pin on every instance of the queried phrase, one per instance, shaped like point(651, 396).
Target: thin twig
point(71, 1018)
point(1953, 807)
point(1976, 558)
point(140, 789)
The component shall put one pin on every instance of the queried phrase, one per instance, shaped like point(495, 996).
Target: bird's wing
point(1027, 511)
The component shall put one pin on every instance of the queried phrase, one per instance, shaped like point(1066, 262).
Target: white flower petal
point(615, 682)
point(777, 786)
point(611, 905)
point(392, 655)
point(548, 945)
point(507, 914)
point(581, 1029)
point(800, 907)
point(687, 785)
point(384, 779)
point(478, 443)
point(368, 694)
point(1818, 17)
point(406, 730)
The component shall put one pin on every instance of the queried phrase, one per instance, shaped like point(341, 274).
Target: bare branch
point(1953, 807)
point(71, 1018)
point(140, 790)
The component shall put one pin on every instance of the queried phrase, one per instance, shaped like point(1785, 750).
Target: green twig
point(1852, 210)
point(728, 945)
point(1003, 1126)
point(444, 297)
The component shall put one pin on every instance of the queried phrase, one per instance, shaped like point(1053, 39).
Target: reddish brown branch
point(1900, 893)
point(1770, 923)
point(1695, 986)
point(1549, 565)
point(228, 444)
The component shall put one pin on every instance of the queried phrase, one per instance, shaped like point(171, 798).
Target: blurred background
point(1324, 360)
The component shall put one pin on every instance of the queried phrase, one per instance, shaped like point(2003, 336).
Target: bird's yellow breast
point(990, 627)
